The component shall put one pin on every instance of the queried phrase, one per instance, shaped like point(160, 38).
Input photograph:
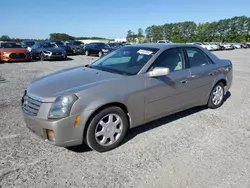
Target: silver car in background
point(47, 51)
point(97, 104)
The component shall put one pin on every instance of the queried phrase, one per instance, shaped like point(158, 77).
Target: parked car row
point(213, 46)
point(53, 49)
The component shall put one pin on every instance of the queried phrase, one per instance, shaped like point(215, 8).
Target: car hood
point(54, 49)
point(19, 50)
point(68, 81)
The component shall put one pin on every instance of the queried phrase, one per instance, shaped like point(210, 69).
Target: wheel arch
point(111, 104)
point(222, 80)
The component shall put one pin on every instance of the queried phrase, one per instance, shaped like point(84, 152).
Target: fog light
point(50, 135)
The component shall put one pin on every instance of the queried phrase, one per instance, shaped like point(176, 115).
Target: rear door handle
point(184, 81)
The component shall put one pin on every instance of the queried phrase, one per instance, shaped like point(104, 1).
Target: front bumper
point(65, 134)
point(55, 56)
point(7, 58)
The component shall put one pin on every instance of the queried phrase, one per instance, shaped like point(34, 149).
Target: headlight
point(62, 106)
point(5, 52)
point(104, 50)
point(46, 52)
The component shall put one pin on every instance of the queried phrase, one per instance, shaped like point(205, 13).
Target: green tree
point(61, 36)
point(5, 38)
point(140, 35)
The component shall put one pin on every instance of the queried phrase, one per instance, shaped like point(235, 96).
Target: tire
point(87, 53)
point(220, 99)
point(100, 54)
point(41, 57)
point(117, 132)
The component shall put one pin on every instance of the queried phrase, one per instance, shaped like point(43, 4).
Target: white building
point(121, 40)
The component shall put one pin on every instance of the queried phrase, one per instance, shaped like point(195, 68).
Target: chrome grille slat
point(31, 106)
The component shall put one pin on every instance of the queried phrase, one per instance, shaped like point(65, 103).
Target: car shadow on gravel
point(68, 59)
point(165, 120)
point(151, 125)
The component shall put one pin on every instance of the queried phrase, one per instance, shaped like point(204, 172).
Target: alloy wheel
point(218, 95)
point(109, 129)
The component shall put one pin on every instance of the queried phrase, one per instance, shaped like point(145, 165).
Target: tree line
point(52, 36)
point(235, 29)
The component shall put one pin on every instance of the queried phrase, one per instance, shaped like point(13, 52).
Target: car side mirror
point(159, 71)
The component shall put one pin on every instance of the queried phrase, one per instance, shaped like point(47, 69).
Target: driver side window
point(172, 59)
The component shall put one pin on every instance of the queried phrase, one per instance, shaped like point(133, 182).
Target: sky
point(107, 18)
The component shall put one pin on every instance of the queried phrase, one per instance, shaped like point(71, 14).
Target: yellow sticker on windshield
point(144, 52)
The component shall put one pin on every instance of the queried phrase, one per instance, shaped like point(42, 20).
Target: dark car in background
point(75, 46)
point(116, 45)
point(47, 50)
point(28, 44)
point(97, 48)
point(61, 44)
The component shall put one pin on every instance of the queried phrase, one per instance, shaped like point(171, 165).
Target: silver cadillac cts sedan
point(97, 104)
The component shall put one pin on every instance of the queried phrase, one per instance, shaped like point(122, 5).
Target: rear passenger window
point(197, 58)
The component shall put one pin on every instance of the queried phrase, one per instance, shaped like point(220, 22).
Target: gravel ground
point(198, 148)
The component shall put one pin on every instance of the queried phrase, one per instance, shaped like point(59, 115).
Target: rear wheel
point(107, 129)
point(216, 98)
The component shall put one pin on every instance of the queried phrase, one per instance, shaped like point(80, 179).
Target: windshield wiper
point(109, 70)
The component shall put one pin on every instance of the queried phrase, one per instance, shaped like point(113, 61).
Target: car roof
point(161, 46)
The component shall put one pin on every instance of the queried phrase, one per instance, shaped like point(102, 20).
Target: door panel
point(202, 71)
point(202, 79)
point(167, 93)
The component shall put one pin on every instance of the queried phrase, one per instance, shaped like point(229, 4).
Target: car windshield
point(48, 45)
point(114, 44)
point(126, 61)
point(77, 43)
point(11, 45)
point(30, 43)
point(59, 43)
point(102, 45)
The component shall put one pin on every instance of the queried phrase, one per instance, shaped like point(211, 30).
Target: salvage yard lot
point(196, 148)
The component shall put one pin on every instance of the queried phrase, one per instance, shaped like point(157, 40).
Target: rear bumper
point(65, 134)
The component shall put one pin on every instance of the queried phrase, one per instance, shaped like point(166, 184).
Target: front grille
point(56, 53)
point(17, 55)
point(31, 106)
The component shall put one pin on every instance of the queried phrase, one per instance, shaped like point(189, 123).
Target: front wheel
point(107, 129)
point(42, 58)
point(100, 54)
point(216, 98)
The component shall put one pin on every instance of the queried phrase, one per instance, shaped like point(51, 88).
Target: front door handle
point(184, 81)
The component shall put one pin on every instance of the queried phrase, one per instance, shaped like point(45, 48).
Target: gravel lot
point(198, 148)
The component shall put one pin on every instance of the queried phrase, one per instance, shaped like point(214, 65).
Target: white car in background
point(203, 45)
point(227, 46)
point(164, 41)
point(237, 45)
point(214, 45)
